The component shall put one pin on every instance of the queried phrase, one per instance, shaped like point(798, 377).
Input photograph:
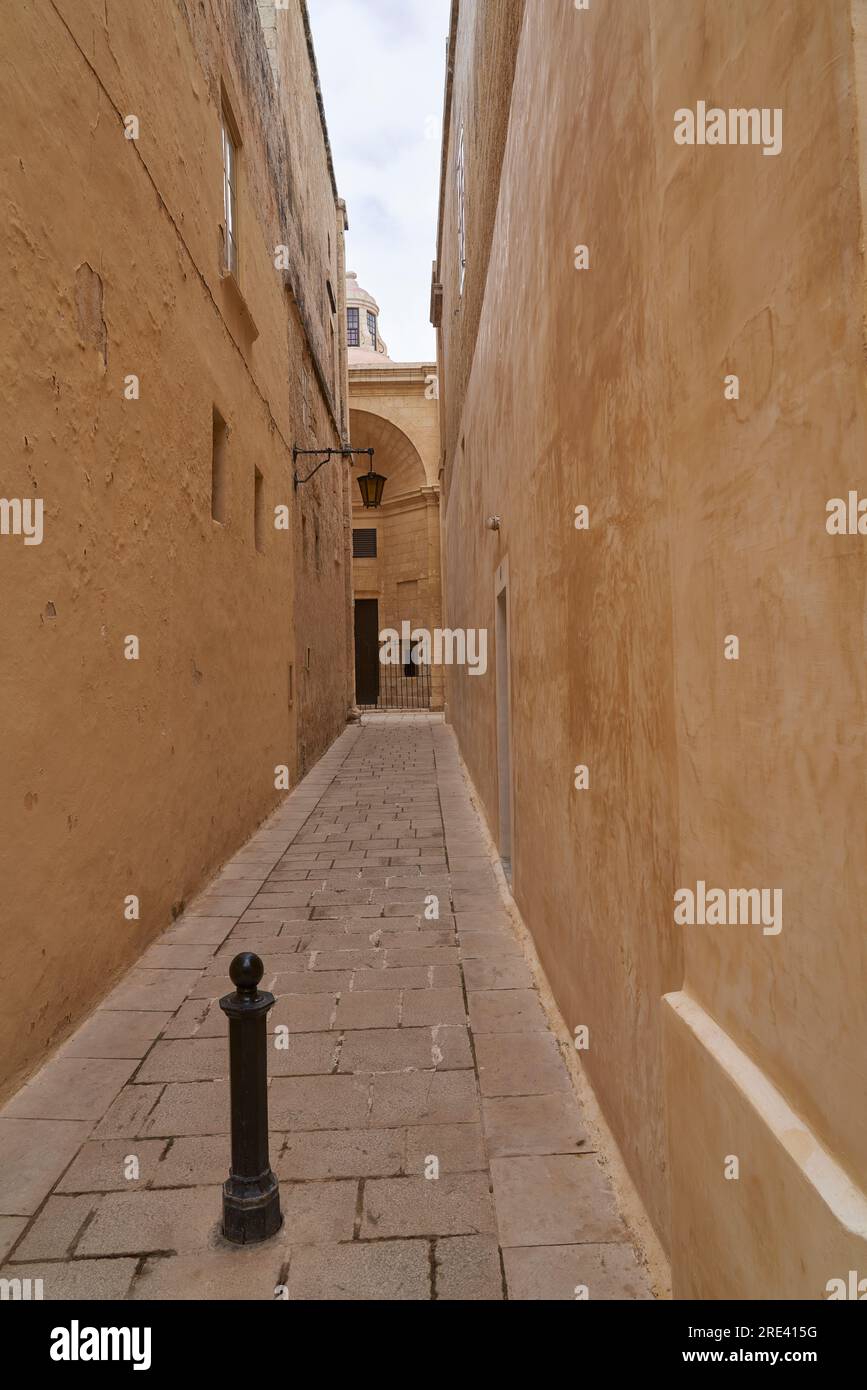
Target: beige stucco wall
point(707, 519)
point(141, 777)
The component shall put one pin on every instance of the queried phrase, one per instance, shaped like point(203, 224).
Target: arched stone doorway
point(396, 555)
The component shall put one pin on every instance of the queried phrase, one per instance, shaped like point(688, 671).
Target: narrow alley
point(424, 1127)
point(432, 689)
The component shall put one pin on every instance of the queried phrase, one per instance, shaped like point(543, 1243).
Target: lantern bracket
point(329, 454)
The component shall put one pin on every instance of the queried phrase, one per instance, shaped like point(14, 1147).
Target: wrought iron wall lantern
point(371, 484)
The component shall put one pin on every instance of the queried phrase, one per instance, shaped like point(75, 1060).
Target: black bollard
point(251, 1197)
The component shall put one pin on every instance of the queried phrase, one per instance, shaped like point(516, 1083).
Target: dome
point(366, 346)
point(356, 295)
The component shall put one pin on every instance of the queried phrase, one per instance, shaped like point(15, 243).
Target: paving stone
point(361, 912)
point(414, 936)
point(553, 1273)
point(459, 1148)
point(554, 1200)
point(198, 1107)
point(206, 931)
point(410, 978)
point(102, 1166)
point(515, 1064)
point(387, 1049)
point(470, 901)
point(263, 938)
point(10, 1229)
point(303, 1054)
point(117, 1033)
point(259, 918)
point(33, 1154)
point(318, 1102)
point(317, 1213)
point(157, 990)
point(413, 955)
point(240, 1274)
point(56, 1229)
point(128, 1114)
point(468, 1269)
point(347, 960)
point(182, 1221)
point(196, 1018)
point(79, 1280)
point(420, 1098)
point(480, 880)
point(516, 1125)
point(211, 986)
point(369, 1009)
point(312, 982)
point(495, 946)
point(342, 933)
point(218, 905)
point(342, 897)
point(451, 1047)
point(197, 1161)
point(277, 951)
point(455, 1204)
point(506, 1011)
point(335, 936)
point(498, 972)
point(177, 955)
point(294, 897)
point(392, 1271)
point(303, 1013)
point(192, 1059)
point(242, 880)
point(353, 1153)
point(73, 1088)
point(433, 1006)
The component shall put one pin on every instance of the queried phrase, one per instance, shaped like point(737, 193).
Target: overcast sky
point(382, 70)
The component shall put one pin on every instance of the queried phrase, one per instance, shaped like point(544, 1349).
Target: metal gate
point(402, 687)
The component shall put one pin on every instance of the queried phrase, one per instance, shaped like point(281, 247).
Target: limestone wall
point(605, 388)
point(125, 777)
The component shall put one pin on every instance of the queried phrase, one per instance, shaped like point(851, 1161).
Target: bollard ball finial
point(246, 971)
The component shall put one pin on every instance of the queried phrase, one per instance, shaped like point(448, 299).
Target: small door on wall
point(366, 651)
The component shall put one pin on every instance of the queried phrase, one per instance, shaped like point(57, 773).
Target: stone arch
point(396, 458)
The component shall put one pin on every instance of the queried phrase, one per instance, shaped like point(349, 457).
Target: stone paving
point(416, 1043)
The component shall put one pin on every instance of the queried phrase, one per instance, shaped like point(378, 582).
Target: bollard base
point(248, 1218)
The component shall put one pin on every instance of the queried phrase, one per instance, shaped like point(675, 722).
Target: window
point(352, 328)
point(259, 509)
point(230, 194)
point(364, 543)
point(219, 437)
point(371, 328)
point(462, 214)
